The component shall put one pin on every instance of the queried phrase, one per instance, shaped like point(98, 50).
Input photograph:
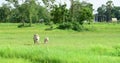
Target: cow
point(36, 38)
point(46, 40)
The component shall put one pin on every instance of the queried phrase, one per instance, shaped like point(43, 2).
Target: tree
point(23, 13)
point(78, 13)
point(5, 13)
point(28, 9)
point(72, 10)
point(116, 12)
point(101, 13)
point(32, 9)
point(84, 14)
point(14, 2)
point(109, 6)
point(59, 13)
point(48, 3)
point(108, 11)
point(81, 9)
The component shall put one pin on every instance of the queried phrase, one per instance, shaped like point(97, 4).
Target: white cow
point(114, 20)
point(36, 38)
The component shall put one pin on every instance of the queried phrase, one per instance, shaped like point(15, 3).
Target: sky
point(96, 3)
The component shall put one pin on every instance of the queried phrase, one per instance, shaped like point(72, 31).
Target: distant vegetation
point(107, 12)
point(47, 12)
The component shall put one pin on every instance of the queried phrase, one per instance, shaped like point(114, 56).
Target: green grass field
point(99, 45)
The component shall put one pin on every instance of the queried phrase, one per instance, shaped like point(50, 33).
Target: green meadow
point(100, 44)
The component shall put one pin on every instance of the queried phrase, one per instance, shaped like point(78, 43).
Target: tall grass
point(38, 54)
point(14, 60)
point(99, 45)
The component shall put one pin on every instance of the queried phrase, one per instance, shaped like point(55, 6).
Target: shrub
point(65, 25)
point(117, 51)
point(118, 21)
point(21, 25)
point(77, 26)
point(71, 25)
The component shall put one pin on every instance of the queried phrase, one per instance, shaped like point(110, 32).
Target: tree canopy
point(33, 11)
point(108, 11)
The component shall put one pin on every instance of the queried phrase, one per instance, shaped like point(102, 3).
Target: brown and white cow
point(46, 40)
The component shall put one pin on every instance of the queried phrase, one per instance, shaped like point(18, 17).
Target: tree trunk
point(23, 22)
point(71, 12)
point(30, 17)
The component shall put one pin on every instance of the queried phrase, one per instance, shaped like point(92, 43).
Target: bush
point(71, 25)
point(117, 51)
point(118, 21)
point(65, 25)
point(77, 26)
point(21, 25)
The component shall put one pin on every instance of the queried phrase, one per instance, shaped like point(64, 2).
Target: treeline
point(25, 11)
point(47, 11)
point(107, 12)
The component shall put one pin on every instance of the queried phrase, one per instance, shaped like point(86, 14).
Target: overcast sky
point(96, 3)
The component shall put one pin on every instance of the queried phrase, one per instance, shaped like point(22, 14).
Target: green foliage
point(29, 11)
point(101, 13)
point(73, 26)
point(59, 13)
point(108, 11)
point(32, 8)
point(32, 11)
point(84, 14)
point(5, 13)
point(77, 14)
point(81, 11)
point(77, 27)
point(117, 50)
point(43, 15)
point(116, 12)
point(109, 5)
point(65, 25)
